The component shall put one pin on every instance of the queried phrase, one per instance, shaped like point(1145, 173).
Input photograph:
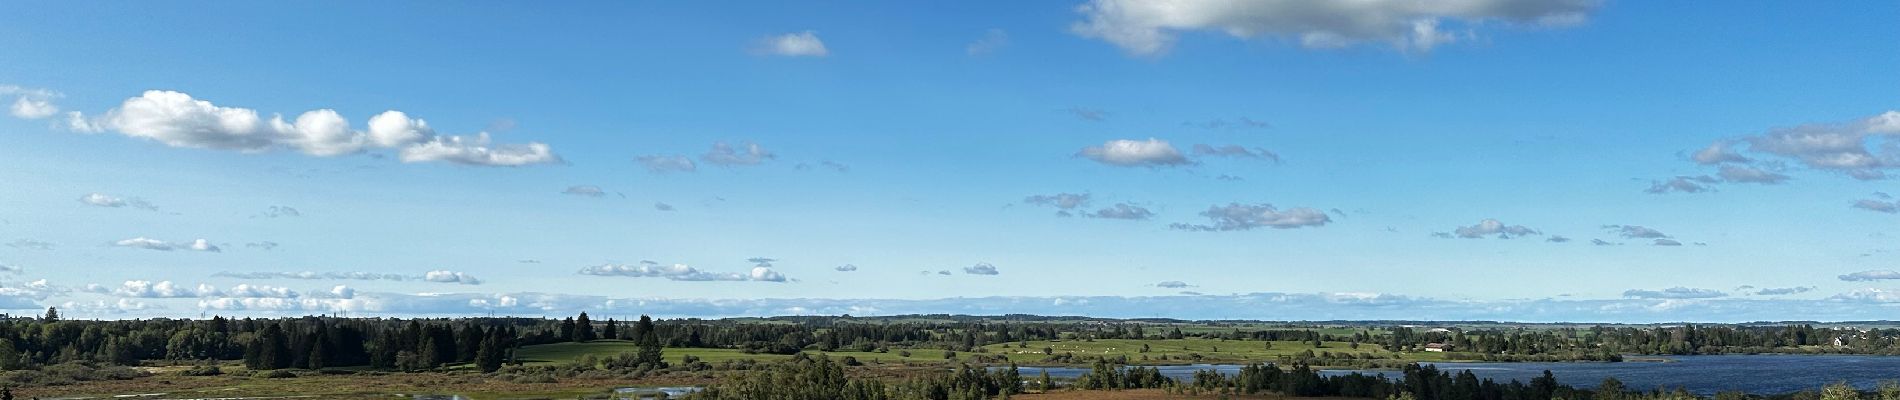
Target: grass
point(1175, 350)
point(1211, 350)
point(568, 352)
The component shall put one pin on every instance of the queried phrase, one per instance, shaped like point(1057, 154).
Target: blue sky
point(1338, 149)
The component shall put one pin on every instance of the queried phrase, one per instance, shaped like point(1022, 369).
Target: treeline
point(820, 378)
point(1605, 343)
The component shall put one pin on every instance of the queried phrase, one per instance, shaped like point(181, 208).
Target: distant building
point(1437, 347)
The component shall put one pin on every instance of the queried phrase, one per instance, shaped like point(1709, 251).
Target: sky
point(1521, 160)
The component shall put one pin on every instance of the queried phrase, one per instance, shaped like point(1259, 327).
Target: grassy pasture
point(568, 352)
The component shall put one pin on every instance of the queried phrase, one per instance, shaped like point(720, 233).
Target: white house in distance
point(1437, 347)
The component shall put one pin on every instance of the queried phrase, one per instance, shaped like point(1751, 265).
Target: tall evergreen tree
point(612, 330)
point(649, 342)
point(583, 328)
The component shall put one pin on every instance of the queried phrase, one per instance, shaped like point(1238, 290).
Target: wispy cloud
point(796, 44)
point(1240, 217)
point(1147, 28)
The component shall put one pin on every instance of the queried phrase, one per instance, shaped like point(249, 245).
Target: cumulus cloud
point(1749, 174)
point(584, 190)
point(445, 276)
point(29, 103)
point(661, 164)
point(178, 120)
point(1173, 285)
point(681, 272)
point(1682, 184)
point(1150, 28)
point(1862, 149)
point(1491, 227)
point(993, 40)
point(1235, 151)
point(981, 269)
point(1636, 232)
point(746, 153)
point(847, 268)
point(1122, 211)
point(1722, 151)
point(1871, 275)
point(160, 245)
point(1063, 202)
point(110, 201)
point(797, 44)
point(432, 276)
point(1677, 293)
point(1239, 217)
point(1136, 153)
point(167, 289)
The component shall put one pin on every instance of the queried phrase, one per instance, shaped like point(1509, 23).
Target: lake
point(1704, 375)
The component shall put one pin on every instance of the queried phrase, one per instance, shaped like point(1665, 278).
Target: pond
point(1704, 375)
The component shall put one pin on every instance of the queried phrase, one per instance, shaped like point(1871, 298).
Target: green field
point(568, 352)
point(1177, 350)
point(1211, 350)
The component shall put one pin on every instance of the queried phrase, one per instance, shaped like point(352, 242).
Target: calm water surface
point(1757, 374)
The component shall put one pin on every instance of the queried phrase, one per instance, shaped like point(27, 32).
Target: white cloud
point(1490, 227)
point(478, 151)
point(993, 40)
point(981, 269)
point(29, 103)
point(1636, 232)
point(747, 153)
point(311, 275)
point(584, 190)
point(799, 44)
point(1136, 153)
point(681, 272)
point(178, 120)
point(1747, 174)
point(169, 290)
point(1682, 184)
point(444, 276)
point(1240, 217)
point(1871, 275)
point(1150, 28)
point(105, 200)
point(1862, 149)
point(1678, 293)
point(1122, 211)
point(1063, 201)
point(663, 163)
point(160, 245)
